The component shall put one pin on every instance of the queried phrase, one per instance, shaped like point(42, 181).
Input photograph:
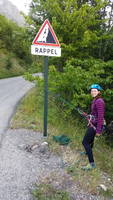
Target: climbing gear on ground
point(96, 86)
point(61, 139)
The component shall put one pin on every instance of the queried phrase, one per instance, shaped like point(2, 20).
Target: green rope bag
point(61, 139)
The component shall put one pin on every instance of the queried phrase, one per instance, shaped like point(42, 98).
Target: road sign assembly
point(45, 42)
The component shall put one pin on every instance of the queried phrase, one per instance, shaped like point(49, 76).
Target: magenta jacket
point(98, 111)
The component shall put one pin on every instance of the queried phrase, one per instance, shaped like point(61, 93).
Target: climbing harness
point(89, 118)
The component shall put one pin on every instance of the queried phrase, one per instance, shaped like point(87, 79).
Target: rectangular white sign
point(45, 50)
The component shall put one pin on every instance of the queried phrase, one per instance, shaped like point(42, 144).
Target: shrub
point(72, 84)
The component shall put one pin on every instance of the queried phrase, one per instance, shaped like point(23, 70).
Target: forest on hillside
point(15, 55)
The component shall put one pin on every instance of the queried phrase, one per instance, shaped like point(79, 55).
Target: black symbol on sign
point(46, 37)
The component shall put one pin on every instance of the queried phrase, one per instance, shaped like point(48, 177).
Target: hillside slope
point(10, 11)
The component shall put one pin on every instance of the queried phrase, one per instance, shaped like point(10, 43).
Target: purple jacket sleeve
point(100, 119)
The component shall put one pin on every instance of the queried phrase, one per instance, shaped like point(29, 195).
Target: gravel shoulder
point(20, 169)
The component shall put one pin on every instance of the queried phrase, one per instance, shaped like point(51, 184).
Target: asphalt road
point(11, 91)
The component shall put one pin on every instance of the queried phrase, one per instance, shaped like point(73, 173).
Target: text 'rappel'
point(45, 51)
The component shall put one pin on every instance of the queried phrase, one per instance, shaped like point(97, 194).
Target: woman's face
point(94, 92)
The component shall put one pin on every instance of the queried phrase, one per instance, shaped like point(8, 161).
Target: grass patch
point(107, 194)
point(48, 192)
point(86, 180)
point(29, 114)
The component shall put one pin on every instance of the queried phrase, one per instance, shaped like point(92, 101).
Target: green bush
point(72, 84)
point(28, 76)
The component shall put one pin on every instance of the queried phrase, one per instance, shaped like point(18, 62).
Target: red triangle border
point(53, 34)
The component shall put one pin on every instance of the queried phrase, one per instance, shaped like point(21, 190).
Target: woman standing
point(97, 111)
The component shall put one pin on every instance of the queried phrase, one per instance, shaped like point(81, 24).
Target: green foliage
point(28, 76)
point(107, 194)
point(78, 25)
point(36, 66)
point(9, 65)
point(15, 56)
point(85, 32)
point(73, 83)
point(14, 38)
point(47, 192)
point(71, 87)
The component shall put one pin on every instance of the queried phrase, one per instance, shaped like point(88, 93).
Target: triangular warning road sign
point(46, 36)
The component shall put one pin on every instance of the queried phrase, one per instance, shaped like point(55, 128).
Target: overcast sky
point(22, 5)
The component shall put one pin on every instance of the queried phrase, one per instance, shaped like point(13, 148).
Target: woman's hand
point(97, 134)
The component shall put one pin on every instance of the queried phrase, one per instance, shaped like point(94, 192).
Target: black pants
point(88, 142)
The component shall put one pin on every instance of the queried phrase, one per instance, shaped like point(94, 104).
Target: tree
point(15, 39)
point(85, 33)
point(78, 24)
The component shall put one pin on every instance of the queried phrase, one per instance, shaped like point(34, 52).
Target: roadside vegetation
point(30, 115)
point(47, 192)
point(15, 56)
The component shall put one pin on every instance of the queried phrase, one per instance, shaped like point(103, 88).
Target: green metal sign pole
point(45, 94)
